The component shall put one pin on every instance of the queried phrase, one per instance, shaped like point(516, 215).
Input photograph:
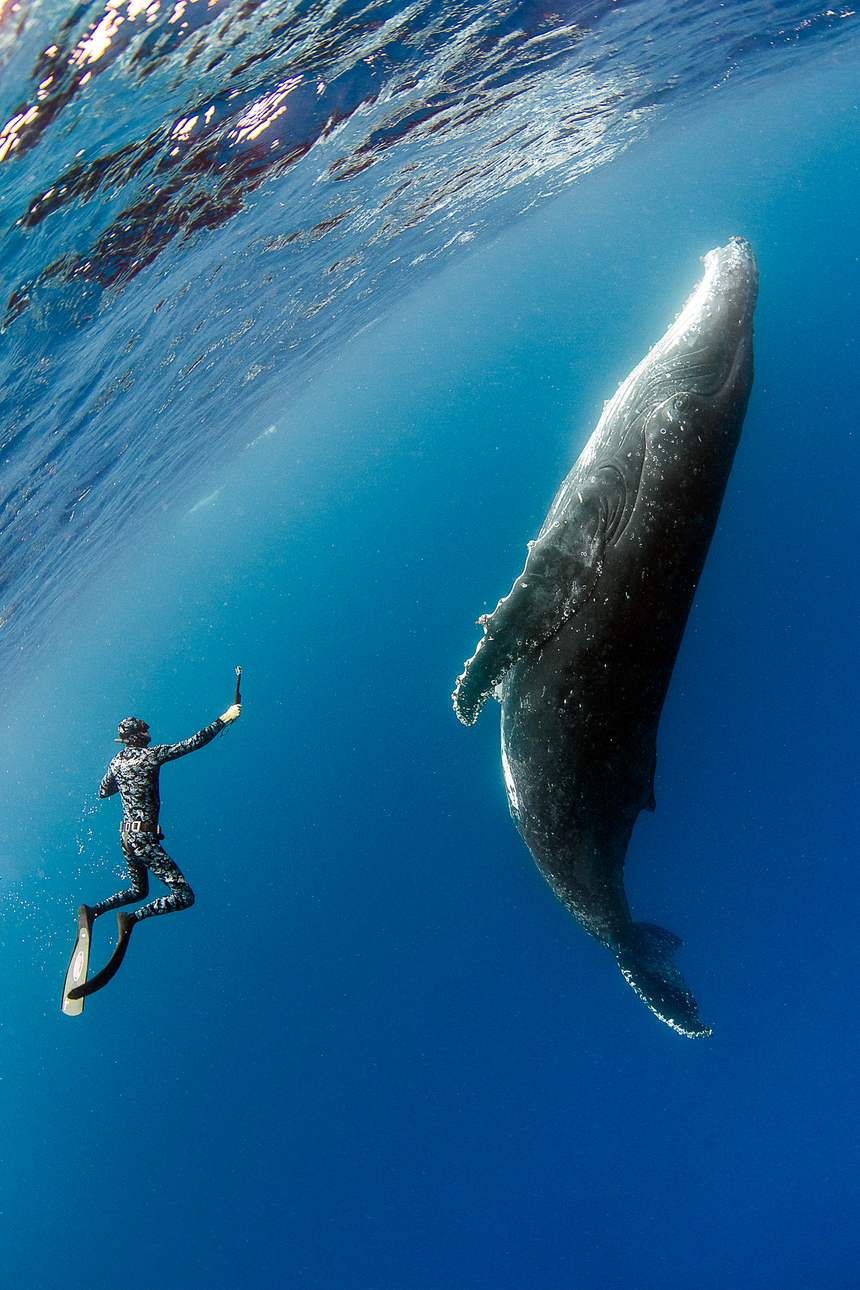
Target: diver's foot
point(125, 922)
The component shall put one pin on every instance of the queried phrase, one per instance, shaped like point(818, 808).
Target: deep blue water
point(377, 1054)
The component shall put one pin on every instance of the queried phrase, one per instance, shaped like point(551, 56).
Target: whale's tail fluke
point(647, 966)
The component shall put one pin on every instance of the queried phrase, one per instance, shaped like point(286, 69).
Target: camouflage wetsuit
point(133, 774)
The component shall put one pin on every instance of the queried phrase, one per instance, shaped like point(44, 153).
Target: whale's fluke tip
point(646, 966)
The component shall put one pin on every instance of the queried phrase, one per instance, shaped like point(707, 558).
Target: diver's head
point(133, 732)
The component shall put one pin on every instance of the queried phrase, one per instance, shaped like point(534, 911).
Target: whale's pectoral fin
point(647, 966)
point(560, 574)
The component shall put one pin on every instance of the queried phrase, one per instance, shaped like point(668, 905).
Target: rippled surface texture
point(201, 201)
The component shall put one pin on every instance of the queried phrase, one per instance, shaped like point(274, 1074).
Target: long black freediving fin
point(78, 963)
point(80, 992)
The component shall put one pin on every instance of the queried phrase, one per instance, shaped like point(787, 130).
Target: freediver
point(133, 773)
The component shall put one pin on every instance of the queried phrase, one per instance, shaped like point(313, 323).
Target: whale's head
point(706, 356)
point(708, 350)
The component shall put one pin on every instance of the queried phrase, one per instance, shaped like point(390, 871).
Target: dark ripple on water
point(200, 200)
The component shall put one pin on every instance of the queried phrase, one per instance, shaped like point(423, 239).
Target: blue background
point(377, 1054)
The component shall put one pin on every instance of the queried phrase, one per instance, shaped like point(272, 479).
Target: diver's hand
point(232, 713)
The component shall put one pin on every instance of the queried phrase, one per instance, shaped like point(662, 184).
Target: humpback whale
point(581, 652)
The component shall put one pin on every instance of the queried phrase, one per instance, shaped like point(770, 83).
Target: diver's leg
point(159, 863)
point(138, 890)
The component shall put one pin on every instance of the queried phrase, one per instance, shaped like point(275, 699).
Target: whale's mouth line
point(721, 379)
point(720, 386)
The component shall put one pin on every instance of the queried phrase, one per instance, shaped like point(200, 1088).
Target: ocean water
point(377, 1054)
